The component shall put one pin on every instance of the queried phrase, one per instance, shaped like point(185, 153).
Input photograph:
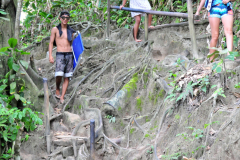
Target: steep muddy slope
point(127, 88)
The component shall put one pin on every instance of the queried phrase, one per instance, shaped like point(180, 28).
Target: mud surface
point(124, 87)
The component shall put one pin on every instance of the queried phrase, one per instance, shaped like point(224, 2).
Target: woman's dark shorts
point(64, 64)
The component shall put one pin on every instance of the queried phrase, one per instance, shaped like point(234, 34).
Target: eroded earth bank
point(150, 100)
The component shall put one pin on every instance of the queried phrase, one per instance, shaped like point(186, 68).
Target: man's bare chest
point(62, 37)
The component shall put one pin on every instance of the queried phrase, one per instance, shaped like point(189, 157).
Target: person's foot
point(61, 101)
point(151, 27)
point(138, 40)
point(57, 93)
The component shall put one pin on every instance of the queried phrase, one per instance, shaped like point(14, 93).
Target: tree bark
point(192, 30)
point(17, 22)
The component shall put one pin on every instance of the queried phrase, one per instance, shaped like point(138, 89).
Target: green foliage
point(196, 134)
point(151, 150)
point(147, 135)
point(236, 6)
point(181, 8)
point(112, 119)
point(132, 130)
point(172, 75)
point(145, 76)
point(177, 116)
point(219, 53)
point(206, 125)
point(237, 85)
point(219, 92)
point(131, 85)
point(12, 87)
point(80, 106)
point(173, 156)
point(203, 83)
point(186, 92)
point(2, 12)
point(147, 119)
point(139, 104)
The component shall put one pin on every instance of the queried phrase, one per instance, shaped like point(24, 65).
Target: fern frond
point(188, 90)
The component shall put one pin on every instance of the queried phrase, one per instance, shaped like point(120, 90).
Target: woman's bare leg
point(214, 24)
point(136, 26)
point(228, 30)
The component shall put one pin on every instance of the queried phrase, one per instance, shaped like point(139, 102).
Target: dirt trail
point(122, 85)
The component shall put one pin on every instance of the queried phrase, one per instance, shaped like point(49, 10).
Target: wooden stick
point(192, 30)
point(108, 19)
point(146, 27)
point(46, 107)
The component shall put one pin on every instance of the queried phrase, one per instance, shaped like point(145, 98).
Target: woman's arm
point(123, 3)
point(200, 7)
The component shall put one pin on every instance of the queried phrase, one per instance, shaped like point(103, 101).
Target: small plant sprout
point(237, 85)
point(150, 151)
point(112, 119)
point(219, 92)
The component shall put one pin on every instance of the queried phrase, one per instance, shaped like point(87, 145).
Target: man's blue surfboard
point(77, 47)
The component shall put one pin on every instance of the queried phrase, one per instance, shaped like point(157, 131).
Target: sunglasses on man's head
point(65, 18)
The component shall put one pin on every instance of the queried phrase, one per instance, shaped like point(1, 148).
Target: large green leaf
point(10, 62)
point(3, 12)
point(219, 69)
point(27, 4)
point(13, 85)
point(12, 42)
point(223, 51)
point(17, 96)
point(4, 49)
point(43, 14)
point(15, 67)
point(24, 63)
point(25, 53)
point(33, 6)
point(2, 87)
point(4, 53)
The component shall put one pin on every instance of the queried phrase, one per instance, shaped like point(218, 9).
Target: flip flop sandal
point(57, 96)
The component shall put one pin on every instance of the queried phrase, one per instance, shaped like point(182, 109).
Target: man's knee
point(138, 19)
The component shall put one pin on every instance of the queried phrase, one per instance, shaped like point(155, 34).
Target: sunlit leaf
point(24, 63)
point(15, 67)
point(12, 42)
point(13, 85)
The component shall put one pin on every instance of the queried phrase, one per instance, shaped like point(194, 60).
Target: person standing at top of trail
point(138, 4)
point(219, 9)
point(62, 36)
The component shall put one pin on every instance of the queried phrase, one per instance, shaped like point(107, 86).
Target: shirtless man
point(61, 36)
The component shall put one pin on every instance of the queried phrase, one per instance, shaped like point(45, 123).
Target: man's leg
point(64, 88)
point(58, 82)
point(150, 21)
point(136, 26)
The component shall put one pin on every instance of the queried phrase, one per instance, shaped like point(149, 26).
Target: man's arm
point(50, 47)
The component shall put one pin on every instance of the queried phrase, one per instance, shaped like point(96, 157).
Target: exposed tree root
point(74, 91)
point(159, 129)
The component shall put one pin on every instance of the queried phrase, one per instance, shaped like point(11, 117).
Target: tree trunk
point(17, 22)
